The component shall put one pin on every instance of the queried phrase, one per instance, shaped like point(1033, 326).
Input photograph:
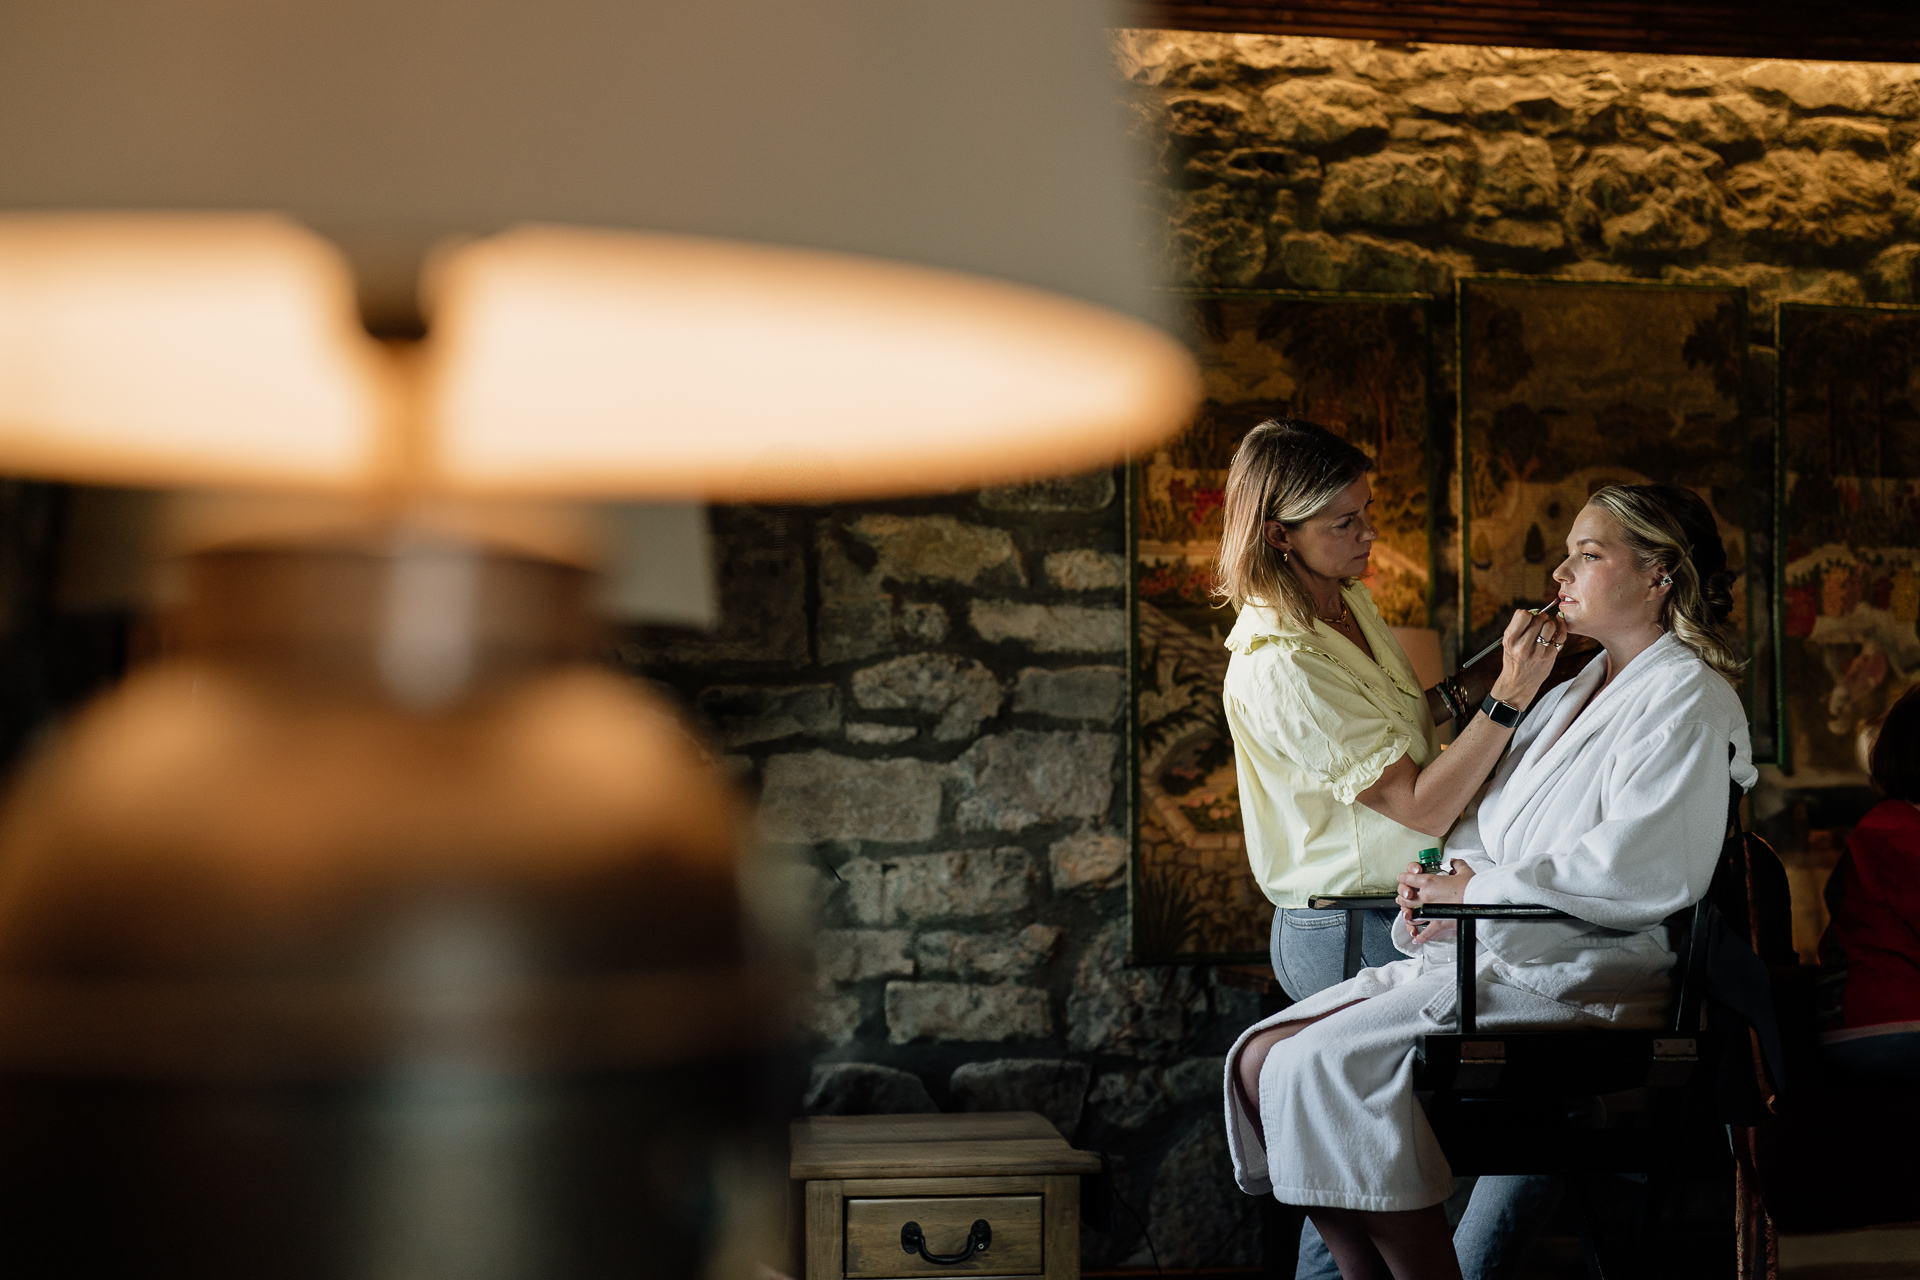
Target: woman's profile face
point(1603, 592)
point(1336, 541)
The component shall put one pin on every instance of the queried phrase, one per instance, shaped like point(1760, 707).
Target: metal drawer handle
point(912, 1240)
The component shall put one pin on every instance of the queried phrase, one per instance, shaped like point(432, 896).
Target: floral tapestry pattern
point(1566, 387)
point(1359, 367)
point(1850, 524)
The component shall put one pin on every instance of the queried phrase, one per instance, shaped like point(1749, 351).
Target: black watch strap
point(1504, 714)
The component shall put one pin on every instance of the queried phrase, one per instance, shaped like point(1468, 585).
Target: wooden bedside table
point(866, 1178)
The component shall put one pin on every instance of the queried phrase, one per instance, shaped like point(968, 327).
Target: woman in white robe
point(1610, 804)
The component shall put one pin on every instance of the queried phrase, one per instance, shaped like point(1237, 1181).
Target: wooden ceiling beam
point(1847, 31)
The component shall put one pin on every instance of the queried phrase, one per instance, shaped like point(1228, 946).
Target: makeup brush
point(1496, 644)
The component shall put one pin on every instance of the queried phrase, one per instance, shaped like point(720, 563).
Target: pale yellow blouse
point(1315, 722)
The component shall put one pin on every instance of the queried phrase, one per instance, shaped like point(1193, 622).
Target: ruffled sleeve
point(1324, 721)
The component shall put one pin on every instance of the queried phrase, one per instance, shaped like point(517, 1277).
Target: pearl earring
point(1286, 557)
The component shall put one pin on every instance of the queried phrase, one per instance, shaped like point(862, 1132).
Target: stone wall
point(1334, 164)
point(929, 695)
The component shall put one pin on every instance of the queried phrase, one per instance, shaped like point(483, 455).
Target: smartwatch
point(1504, 714)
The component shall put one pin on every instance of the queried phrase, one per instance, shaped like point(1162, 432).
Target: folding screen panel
point(1848, 498)
point(1357, 364)
point(1567, 386)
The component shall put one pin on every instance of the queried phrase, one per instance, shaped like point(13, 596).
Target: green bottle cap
point(1429, 859)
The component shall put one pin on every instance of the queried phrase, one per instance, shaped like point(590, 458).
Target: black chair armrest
point(1488, 911)
point(1468, 915)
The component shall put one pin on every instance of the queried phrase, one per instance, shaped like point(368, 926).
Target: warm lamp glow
point(614, 364)
point(160, 350)
point(223, 351)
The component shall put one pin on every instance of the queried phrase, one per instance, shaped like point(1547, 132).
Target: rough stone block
point(962, 1011)
point(921, 623)
point(854, 628)
point(933, 886)
point(834, 1019)
point(1316, 260)
point(1214, 236)
point(854, 955)
point(865, 1089)
point(937, 549)
point(1132, 1012)
point(1830, 132)
point(1259, 167)
point(1497, 95)
point(1812, 86)
point(868, 732)
point(1725, 121)
point(1637, 200)
point(1899, 98)
point(1320, 112)
point(1090, 492)
point(1055, 1087)
point(1894, 274)
point(1197, 1214)
point(1014, 780)
point(1088, 860)
point(1391, 189)
point(1050, 628)
point(1211, 118)
point(1084, 570)
point(745, 714)
point(1416, 129)
point(1515, 233)
point(1301, 55)
point(1517, 175)
point(1825, 198)
point(1135, 1099)
point(960, 691)
point(1671, 75)
point(816, 795)
point(987, 955)
point(1435, 99)
point(1075, 693)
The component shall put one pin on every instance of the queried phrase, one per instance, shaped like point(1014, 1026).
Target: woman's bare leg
point(1413, 1245)
point(1246, 1073)
point(1345, 1232)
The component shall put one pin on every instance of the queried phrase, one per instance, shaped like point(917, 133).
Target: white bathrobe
point(1616, 818)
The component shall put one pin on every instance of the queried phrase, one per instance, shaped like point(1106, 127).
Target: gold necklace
point(1340, 619)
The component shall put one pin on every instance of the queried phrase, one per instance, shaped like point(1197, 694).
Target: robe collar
point(1565, 733)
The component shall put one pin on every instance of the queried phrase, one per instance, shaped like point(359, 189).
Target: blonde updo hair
point(1285, 470)
point(1671, 531)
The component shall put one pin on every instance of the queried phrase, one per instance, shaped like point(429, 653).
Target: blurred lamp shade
point(737, 250)
point(225, 350)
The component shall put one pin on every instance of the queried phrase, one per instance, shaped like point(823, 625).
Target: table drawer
point(874, 1225)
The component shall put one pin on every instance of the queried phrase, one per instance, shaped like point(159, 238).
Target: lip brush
point(1496, 644)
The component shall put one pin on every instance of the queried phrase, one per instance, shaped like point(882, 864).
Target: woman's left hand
point(1418, 889)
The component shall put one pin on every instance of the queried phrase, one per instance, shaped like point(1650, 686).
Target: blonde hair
point(1285, 470)
point(1672, 529)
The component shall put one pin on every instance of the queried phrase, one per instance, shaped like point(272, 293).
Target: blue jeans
point(1889, 1058)
point(1309, 954)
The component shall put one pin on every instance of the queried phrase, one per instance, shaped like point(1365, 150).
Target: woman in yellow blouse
point(1342, 781)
